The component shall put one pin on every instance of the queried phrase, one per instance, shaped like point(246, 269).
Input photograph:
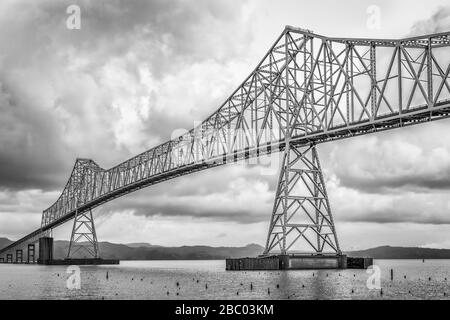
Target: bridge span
point(307, 89)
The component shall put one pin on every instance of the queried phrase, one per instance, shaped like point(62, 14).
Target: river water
point(412, 279)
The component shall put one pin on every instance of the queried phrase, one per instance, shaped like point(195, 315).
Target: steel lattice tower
point(84, 237)
point(301, 217)
point(83, 240)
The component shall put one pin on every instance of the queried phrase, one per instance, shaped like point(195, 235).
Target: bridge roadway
point(307, 89)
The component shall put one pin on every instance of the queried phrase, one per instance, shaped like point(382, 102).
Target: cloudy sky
point(137, 71)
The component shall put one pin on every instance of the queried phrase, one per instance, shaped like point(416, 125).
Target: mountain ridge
point(147, 251)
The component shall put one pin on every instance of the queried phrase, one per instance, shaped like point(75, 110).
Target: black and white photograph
point(250, 151)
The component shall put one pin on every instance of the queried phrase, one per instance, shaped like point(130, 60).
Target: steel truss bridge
point(306, 90)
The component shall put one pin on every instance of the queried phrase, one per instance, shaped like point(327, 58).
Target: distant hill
point(388, 252)
point(4, 242)
point(146, 251)
point(140, 244)
point(150, 252)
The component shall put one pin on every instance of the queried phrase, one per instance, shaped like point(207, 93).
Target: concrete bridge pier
point(45, 250)
point(19, 256)
point(31, 253)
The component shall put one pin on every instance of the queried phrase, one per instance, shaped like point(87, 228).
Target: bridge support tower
point(83, 242)
point(302, 222)
point(301, 233)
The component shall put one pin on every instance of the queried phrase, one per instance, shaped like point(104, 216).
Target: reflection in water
point(413, 279)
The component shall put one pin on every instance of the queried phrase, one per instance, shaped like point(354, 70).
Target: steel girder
point(307, 88)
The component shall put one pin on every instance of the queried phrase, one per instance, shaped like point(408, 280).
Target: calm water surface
point(413, 279)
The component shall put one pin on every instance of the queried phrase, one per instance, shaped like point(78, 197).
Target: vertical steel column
point(316, 201)
point(429, 74)
point(347, 85)
point(352, 97)
point(373, 75)
point(324, 123)
point(287, 140)
point(400, 87)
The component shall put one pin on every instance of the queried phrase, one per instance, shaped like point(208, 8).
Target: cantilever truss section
point(307, 87)
point(301, 218)
point(83, 242)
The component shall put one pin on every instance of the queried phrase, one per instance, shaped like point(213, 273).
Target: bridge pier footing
point(298, 262)
point(82, 262)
